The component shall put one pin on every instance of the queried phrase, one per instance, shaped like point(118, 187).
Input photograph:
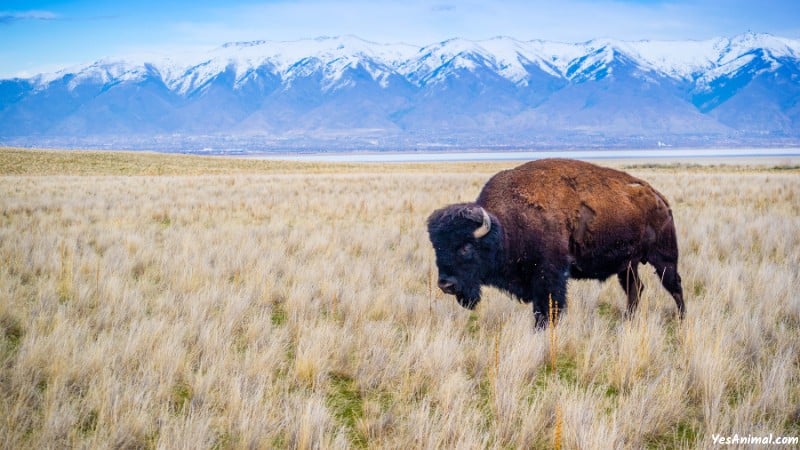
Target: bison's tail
point(662, 202)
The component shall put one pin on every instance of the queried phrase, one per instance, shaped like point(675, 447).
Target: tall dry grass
point(293, 309)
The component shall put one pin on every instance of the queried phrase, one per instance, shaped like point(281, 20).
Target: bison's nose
point(447, 285)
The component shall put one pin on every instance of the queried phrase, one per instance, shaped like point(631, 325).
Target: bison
point(535, 226)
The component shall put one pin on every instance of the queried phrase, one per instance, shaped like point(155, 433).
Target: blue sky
point(44, 35)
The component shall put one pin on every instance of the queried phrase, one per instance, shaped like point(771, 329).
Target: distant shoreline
point(662, 155)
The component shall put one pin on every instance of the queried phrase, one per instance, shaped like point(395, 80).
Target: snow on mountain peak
point(509, 58)
point(103, 71)
point(290, 59)
point(773, 44)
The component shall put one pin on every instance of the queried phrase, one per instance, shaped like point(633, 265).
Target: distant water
point(666, 153)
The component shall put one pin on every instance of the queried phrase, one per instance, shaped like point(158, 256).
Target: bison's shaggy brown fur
point(549, 220)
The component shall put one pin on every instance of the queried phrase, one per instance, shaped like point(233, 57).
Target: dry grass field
point(153, 301)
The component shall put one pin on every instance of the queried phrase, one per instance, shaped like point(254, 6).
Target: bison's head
point(465, 245)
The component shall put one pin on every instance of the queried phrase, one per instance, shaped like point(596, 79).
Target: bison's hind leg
point(667, 271)
point(664, 258)
point(632, 285)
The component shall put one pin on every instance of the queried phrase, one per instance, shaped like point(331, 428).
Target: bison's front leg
point(549, 288)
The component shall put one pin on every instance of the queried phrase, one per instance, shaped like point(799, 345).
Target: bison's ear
point(479, 215)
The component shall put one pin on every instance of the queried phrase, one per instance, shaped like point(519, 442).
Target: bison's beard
point(469, 298)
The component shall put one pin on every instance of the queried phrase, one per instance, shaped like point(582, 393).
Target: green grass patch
point(278, 315)
point(11, 333)
point(486, 399)
point(88, 423)
point(566, 370)
point(472, 324)
point(224, 440)
point(683, 435)
point(180, 397)
point(608, 312)
point(279, 441)
point(347, 406)
point(786, 167)
point(611, 391)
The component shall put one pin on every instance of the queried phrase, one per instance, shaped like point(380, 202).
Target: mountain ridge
point(347, 92)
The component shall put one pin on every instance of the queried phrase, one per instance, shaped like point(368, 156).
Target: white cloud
point(8, 17)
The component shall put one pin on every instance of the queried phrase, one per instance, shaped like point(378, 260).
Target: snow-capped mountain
point(345, 92)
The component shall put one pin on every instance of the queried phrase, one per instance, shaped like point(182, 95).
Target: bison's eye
point(466, 251)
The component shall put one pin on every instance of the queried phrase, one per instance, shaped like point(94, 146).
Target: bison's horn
point(483, 230)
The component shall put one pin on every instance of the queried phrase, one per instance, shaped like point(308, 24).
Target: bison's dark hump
point(558, 172)
point(555, 183)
